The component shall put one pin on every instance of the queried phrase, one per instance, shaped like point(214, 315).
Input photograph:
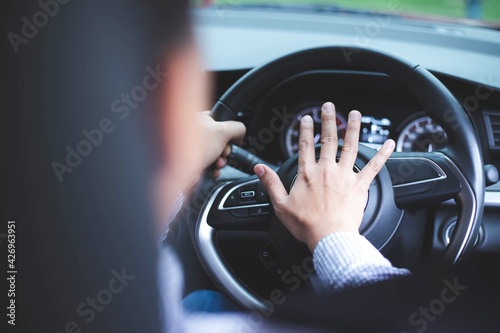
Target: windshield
point(458, 11)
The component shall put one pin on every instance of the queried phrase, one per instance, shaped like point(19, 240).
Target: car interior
point(423, 73)
point(431, 85)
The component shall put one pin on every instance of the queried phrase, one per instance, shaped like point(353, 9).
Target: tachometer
point(290, 139)
point(421, 135)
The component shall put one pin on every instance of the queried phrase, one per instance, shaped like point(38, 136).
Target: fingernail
point(390, 144)
point(328, 106)
point(307, 119)
point(259, 170)
point(354, 115)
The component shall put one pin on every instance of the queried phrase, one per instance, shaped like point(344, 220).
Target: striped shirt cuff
point(345, 260)
point(174, 210)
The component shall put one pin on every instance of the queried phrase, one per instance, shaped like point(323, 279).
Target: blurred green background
point(489, 10)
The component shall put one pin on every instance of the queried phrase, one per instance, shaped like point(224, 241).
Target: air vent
point(492, 120)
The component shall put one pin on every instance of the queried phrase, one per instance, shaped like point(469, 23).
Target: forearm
point(346, 260)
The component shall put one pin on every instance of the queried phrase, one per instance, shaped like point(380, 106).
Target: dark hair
point(170, 22)
point(169, 25)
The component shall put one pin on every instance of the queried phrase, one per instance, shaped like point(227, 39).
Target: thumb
point(271, 182)
point(235, 131)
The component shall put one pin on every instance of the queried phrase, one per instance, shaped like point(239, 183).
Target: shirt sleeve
point(173, 211)
point(345, 260)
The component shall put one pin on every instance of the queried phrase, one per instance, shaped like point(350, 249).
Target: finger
point(227, 151)
point(373, 167)
point(329, 140)
point(271, 182)
point(350, 145)
point(306, 143)
point(220, 163)
point(216, 173)
point(235, 131)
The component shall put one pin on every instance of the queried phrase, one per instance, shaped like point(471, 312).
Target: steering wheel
point(408, 181)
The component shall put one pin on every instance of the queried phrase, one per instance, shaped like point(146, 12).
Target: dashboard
point(389, 111)
point(465, 59)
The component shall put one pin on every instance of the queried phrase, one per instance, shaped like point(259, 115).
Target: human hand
point(327, 196)
point(215, 140)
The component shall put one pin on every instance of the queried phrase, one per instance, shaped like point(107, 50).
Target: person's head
point(80, 170)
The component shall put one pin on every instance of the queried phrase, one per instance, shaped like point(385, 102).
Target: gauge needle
point(316, 138)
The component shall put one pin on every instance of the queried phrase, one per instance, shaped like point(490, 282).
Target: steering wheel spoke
point(422, 179)
point(231, 206)
point(239, 205)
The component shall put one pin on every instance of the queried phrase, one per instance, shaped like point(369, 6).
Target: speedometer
point(290, 139)
point(421, 135)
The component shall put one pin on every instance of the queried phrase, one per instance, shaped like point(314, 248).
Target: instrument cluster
point(416, 133)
